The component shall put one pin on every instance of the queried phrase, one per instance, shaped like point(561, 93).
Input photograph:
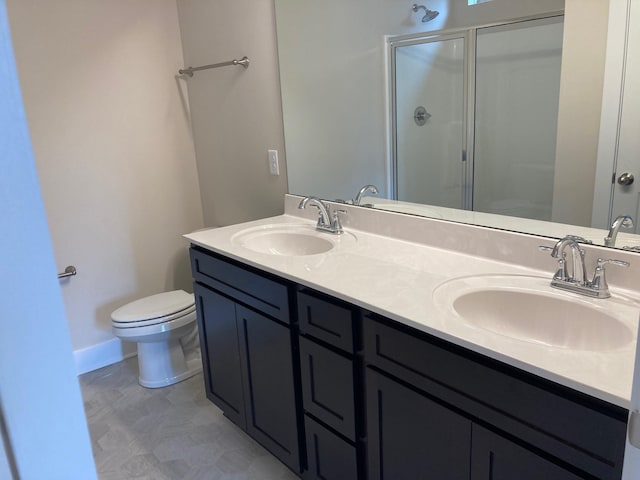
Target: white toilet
point(164, 326)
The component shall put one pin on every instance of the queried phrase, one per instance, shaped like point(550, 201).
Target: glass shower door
point(428, 116)
point(516, 115)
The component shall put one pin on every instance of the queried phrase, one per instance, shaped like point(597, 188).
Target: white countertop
point(397, 278)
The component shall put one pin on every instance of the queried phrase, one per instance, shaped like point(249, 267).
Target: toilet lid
point(155, 306)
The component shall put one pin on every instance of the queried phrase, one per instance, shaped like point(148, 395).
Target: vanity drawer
point(578, 429)
point(325, 320)
point(327, 387)
point(330, 457)
point(253, 289)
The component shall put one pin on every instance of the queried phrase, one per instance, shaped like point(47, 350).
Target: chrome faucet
point(621, 221)
point(577, 281)
point(328, 221)
point(578, 271)
point(367, 188)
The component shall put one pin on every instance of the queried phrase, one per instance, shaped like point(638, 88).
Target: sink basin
point(286, 243)
point(289, 240)
point(528, 309)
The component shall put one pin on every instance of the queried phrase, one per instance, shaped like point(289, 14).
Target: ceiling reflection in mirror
point(469, 116)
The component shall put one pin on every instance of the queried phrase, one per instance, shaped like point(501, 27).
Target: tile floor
point(166, 433)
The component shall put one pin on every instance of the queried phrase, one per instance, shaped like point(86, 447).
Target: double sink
point(521, 307)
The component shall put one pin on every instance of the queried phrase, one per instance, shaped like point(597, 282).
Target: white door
point(42, 422)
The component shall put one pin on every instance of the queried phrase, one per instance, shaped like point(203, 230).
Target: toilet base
point(163, 363)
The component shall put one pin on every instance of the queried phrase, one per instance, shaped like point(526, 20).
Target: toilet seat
point(154, 310)
point(164, 328)
point(153, 321)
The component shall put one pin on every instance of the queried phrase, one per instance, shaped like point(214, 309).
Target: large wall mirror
point(468, 115)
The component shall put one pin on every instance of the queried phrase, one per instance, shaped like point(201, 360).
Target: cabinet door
point(496, 458)
point(330, 457)
point(412, 437)
point(220, 352)
point(327, 387)
point(267, 368)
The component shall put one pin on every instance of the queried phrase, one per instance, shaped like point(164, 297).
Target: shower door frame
point(469, 35)
point(393, 43)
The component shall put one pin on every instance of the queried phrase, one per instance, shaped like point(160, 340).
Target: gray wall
point(114, 151)
point(236, 113)
point(579, 109)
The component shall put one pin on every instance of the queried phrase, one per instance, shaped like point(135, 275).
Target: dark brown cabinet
point(220, 349)
point(329, 456)
point(247, 355)
point(331, 375)
point(267, 372)
point(327, 387)
point(496, 458)
point(478, 413)
point(413, 437)
point(324, 320)
point(339, 393)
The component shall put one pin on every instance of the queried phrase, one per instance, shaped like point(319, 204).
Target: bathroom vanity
point(339, 355)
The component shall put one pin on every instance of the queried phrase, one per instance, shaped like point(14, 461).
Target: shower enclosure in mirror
point(474, 117)
point(428, 120)
point(334, 65)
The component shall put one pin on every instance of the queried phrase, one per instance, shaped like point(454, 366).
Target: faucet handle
point(620, 263)
point(599, 282)
point(336, 225)
point(562, 273)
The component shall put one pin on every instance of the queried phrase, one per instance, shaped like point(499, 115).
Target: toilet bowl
point(164, 327)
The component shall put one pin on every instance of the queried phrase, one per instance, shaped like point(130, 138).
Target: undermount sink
point(528, 309)
point(289, 240)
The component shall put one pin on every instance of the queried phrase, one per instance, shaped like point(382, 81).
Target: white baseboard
point(102, 354)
